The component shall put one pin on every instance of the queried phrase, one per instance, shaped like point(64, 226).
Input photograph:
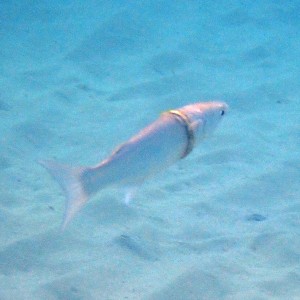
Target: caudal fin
point(70, 179)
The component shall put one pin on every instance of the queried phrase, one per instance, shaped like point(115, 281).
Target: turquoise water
point(78, 78)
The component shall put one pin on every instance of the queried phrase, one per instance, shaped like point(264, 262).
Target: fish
point(170, 138)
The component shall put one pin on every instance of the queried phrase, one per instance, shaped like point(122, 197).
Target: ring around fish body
point(168, 139)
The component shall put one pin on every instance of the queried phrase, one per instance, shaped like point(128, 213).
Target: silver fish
point(170, 138)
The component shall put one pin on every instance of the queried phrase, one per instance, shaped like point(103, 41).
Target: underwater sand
point(77, 79)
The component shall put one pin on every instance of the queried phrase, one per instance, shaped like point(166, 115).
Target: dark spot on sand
point(83, 87)
point(256, 218)
point(137, 247)
point(74, 289)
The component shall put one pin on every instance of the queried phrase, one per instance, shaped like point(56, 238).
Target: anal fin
point(130, 193)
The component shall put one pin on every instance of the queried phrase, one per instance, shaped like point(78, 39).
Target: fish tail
point(71, 180)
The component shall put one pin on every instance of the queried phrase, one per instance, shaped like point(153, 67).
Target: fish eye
point(222, 112)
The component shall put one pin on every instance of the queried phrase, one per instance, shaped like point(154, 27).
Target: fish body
point(171, 137)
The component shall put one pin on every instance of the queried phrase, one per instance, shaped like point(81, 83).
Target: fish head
point(205, 116)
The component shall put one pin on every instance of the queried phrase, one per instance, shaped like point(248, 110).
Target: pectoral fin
point(196, 124)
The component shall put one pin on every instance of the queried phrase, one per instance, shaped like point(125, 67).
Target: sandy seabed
point(79, 78)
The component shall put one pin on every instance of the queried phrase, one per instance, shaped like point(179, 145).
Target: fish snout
point(224, 107)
